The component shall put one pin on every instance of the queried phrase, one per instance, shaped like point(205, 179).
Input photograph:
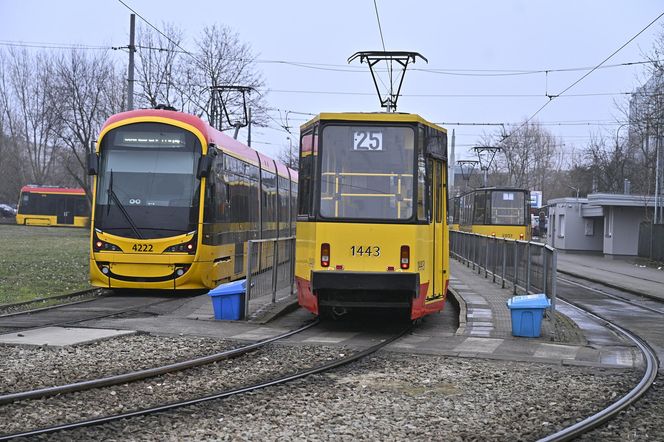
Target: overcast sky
point(469, 44)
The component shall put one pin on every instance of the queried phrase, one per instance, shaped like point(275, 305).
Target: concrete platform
point(567, 338)
point(61, 336)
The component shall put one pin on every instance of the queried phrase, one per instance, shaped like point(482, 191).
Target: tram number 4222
point(142, 248)
point(365, 251)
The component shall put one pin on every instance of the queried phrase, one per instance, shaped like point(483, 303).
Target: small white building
point(602, 222)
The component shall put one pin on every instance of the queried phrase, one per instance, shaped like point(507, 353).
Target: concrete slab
point(61, 336)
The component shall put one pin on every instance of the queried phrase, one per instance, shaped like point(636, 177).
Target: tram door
point(65, 210)
point(437, 214)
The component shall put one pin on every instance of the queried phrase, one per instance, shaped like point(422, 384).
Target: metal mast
point(371, 58)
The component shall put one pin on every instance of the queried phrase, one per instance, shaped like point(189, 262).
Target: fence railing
point(270, 269)
point(526, 266)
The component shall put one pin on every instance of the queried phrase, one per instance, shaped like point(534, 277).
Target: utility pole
point(249, 126)
point(130, 74)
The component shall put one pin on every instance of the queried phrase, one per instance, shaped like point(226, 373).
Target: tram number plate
point(365, 250)
point(142, 248)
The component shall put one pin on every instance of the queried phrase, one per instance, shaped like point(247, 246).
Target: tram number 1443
point(365, 251)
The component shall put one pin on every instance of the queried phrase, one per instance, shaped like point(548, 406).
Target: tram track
point(18, 308)
point(613, 410)
point(291, 375)
point(146, 373)
point(38, 318)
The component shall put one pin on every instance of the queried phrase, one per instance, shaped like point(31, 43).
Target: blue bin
point(527, 313)
point(228, 300)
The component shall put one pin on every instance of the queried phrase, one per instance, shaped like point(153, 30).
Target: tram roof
point(222, 140)
point(32, 188)
point(387, 117)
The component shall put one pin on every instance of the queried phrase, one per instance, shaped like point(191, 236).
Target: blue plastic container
point(228, 300)
point(527, 313)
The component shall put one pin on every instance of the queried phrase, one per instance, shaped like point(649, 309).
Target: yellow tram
point(175, 202)
point(502, 212)
point(372, 219)
point(53, 206)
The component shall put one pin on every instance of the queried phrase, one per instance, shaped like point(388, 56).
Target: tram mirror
point(93, 163)
point(204, 166)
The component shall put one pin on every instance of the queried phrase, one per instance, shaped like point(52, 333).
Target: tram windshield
point(508, 207)
point(147, 186)
point(367, 172)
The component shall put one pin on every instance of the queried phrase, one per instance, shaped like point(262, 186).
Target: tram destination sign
point(151, 139)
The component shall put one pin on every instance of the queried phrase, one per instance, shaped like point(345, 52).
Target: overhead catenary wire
point(382, 40)
point(558, 95)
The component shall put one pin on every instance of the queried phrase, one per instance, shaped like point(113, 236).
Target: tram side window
point(421, 189)
point(479, 217)
point(283, 206)
point(306, 173)
point(268, 197)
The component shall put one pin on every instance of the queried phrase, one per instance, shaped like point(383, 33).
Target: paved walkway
point(569, 339)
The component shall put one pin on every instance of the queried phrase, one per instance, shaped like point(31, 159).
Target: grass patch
point(38, 262)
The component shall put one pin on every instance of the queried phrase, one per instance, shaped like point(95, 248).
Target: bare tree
point(81, 84)
point(29, 109)
point(157, 57)
point(530, 157)
point(221, 59)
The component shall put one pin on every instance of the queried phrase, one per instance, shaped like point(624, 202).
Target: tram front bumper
point(365, 289)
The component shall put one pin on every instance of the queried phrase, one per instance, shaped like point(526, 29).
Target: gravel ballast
point(388, 396)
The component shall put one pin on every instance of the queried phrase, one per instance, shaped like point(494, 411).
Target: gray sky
point(467, 44)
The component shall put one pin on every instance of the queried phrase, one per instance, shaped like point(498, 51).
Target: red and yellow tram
point(53, 206)
point(372, 222)
point(175, 202)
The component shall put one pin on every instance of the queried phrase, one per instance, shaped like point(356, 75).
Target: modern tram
point(503, 212)
point(53, 206)
point(175, 202)
point(372, 216)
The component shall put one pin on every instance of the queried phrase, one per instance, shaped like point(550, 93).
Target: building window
point(561, 226)
point(589, 226)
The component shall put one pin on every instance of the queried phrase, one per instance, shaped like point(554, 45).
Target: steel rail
point(619, 298)
point(146, 373)
point(597, 419)
point(4, 307)
point(219, 395)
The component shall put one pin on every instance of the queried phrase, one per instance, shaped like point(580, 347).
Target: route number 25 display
point(367, 140)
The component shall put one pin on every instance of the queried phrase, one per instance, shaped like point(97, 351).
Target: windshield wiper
point(115, 198)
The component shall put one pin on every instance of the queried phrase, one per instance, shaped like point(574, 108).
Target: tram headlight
point(405, 257)
point(102, 246)
point(325, 255)
point(187, 247)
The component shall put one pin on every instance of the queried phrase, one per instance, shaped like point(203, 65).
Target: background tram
point(371, 223)
point(52, 206)
point(175, 202)
point(503, 212)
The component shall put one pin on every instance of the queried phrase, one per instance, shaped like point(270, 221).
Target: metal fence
point(651, 241)
point(525, 266)
point(270, 271)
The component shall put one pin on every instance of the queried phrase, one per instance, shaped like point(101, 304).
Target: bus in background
point(52, 206)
